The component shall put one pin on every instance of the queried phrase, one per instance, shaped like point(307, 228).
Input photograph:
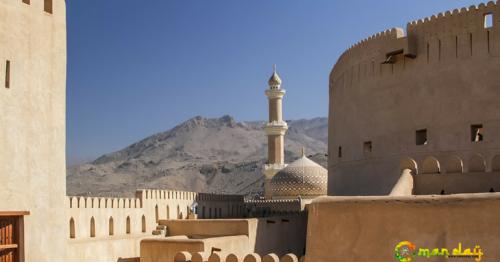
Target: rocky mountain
point(203, 155)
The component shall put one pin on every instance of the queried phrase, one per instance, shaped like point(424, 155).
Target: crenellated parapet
point(431, 92)
point(456, 33)
point(271, 207)
point(186, 256)
point(102, 202)
point(105, 217)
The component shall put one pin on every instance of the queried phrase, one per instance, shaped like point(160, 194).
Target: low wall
point(427, 184)
point(104, 249)
point(361, 228)
point(279, 234)
point(271, 257)
point(105, 229)
point(209, 227)
point(274, 207)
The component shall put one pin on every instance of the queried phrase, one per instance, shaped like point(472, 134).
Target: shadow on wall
point(281, 235)
point(451, 175)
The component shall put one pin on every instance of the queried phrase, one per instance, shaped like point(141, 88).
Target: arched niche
point(454, 165)
point(477, 164)
point(408, 163)
point(111, 226)
point(127, 226)
point(143, 224)
point(157, 215)
point(92, 227)
point(430, 165)
point(495, 164)
point(72, 228)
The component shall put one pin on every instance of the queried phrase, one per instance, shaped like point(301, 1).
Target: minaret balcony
point(275, 93)
point(276, 128)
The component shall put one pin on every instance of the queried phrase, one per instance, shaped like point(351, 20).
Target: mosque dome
point(303, 178)
point(274, 80)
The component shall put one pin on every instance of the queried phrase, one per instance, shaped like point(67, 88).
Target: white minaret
point(275, 130)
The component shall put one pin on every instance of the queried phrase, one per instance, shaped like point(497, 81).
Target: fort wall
point(338, 226)
point(260, 236)
point(439, 77)
point(104, 229)
point(272, 207)
point(32, 123)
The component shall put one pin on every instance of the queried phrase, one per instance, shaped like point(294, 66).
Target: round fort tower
point(424, 100)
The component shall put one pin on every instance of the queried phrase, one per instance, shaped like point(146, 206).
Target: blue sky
point(136, 68)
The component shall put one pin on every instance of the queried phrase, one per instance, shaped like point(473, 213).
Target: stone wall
point(361, 228)
point(442, 77)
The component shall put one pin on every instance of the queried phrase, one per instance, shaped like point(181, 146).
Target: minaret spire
point(275, 130)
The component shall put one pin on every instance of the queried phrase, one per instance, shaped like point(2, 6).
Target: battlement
point(143, 195)
point(48, 6)
point(393, 33)
point(449, 14)
point(103, 202)
point(165, 194)
point(456, 33)
point(185, 256)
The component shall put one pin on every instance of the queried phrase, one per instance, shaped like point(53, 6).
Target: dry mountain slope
point(204, 155)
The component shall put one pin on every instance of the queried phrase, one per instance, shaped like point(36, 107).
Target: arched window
point(143, 224)
point(128, 226)
point(111, 227)
point(156, 214)
point(92, 227)
point(178, 212)
point(168, 212)
point(72, 228)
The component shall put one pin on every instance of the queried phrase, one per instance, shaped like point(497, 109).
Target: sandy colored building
point(424, 98)
point(33, 130)
point(413, 159)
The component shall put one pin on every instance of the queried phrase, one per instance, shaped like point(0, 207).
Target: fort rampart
point(357, 228)
point(425, 99)
point(104, 229)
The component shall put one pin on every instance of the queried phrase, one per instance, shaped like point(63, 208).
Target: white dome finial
point(275, 80)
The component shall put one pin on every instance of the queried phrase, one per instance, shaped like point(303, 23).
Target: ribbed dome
point(303, 177)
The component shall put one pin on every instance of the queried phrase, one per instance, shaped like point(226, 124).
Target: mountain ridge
point(200, 154)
